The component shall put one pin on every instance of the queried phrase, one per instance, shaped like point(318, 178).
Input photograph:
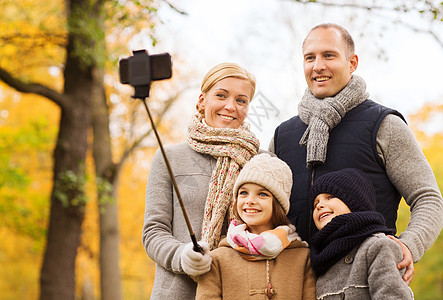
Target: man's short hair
point(347, 38)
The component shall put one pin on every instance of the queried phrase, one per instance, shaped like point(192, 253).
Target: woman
point(205, 168)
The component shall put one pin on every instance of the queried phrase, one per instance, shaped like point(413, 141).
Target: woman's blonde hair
point(225, 70)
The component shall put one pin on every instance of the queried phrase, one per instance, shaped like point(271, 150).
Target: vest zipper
point(312, 167)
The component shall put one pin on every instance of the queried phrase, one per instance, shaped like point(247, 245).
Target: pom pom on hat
point(270, 172)
point(351, 186)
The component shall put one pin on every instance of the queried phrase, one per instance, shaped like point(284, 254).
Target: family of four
point(313, 217)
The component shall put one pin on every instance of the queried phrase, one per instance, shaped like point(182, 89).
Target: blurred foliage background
point(33, 48)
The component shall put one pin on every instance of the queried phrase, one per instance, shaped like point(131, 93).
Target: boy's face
point(254, 206)
point(326, 207)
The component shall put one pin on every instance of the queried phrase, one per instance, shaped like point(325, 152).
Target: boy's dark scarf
point(322, 115)
point(342, 234)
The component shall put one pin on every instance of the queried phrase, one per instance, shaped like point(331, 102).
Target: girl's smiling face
point(326, 207)
point(226, 104)
point(254, 206)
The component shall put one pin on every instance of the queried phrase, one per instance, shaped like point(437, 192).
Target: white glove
point(195, 263)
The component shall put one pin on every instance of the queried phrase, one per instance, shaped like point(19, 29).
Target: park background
point(75, 149)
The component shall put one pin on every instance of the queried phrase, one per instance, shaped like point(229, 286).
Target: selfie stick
point(197, 247)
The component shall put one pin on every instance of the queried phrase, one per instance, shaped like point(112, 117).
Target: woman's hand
point(407, 261)
point(195, 263)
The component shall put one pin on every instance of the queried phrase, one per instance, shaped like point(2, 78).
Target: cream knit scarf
point(322, 115)
point(232, 148)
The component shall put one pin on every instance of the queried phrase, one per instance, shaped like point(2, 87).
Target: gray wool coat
point(164, 231)
point(367, 272)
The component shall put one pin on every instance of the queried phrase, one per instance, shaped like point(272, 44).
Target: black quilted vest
point(352, 144)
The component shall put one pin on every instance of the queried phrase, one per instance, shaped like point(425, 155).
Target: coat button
point(349, 259)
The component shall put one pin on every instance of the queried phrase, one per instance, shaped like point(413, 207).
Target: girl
point(262, 256)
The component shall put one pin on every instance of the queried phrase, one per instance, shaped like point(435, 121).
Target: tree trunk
point(110, 283)
point(110, 278)
point(58, 269)
point(67, 198)
point(109, 252)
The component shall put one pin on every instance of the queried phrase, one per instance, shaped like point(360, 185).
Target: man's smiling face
point(327, 65)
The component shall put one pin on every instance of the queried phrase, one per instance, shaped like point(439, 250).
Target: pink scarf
point(266, 245)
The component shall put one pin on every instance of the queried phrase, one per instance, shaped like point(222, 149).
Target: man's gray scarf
point(322, 115)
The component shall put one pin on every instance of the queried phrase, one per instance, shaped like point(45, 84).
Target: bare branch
point(33, 88)
point(351, 5)
point(354, 5)
point(420, 30)
point(400, 8)
point(175, 8)
point(35, 40)
point(137, 143)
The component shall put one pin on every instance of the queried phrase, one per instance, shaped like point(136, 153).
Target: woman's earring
point(200, 109)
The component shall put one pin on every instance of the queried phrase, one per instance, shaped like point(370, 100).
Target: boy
point(351, 254)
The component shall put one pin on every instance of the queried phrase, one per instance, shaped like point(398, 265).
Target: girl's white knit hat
point(270, 172)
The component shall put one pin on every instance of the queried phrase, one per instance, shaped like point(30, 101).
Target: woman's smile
point(226, 104)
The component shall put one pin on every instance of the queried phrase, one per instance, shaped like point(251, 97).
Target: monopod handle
point(197, 247)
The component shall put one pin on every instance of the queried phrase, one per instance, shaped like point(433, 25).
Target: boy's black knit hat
point(351, 186)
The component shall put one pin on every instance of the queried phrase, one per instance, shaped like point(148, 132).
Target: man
point(339, 127)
